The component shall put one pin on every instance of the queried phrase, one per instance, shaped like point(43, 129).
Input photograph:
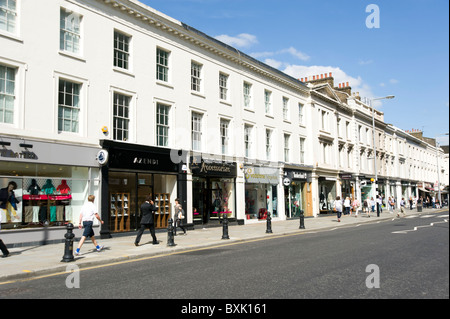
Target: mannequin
point(34, 188)
point(63, 188)
point(48, 188)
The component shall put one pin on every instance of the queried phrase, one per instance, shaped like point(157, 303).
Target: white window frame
point(225, 136)
point(165, 125)
point(268, 102)
point(69, 106)
point(6, 94)
point(196, 130)
point(126, 58)
point(124, 118)
point(268, 136)
point(224, 86)
point(72, 21)
point(286, 108)
point(247, 89)
point(302, 142)
point(287, 148)
point(196, 77)
point(248, 140)
point(301, 114)
point(11, 18)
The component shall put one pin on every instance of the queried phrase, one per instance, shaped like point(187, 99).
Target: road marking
point(442, 216)
point(426, 216)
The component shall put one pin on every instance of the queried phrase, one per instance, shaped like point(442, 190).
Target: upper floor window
point(223, 86)
point(301, 115)
point(162, 65)
point(286, 109)
point(286, 147)
point(121, 117)
point(7, 94)
point(247, 95)
point(69, 33)
point(197, 131)
point(68, 106)
point(8, 15)
point(196, 77)
point(224, 135)
point(268, 101)
point(248, 140)
point(269, 144)
point(162, 124)
point(121, 50)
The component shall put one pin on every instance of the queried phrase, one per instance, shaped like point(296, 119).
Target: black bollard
point(68, 247)
point(225, 227)
point(170, 236)
point(269, 224)
point(302, 220)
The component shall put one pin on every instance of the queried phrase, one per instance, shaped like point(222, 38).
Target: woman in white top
point(338, 207)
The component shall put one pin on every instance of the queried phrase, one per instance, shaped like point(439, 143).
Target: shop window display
point(260, 199)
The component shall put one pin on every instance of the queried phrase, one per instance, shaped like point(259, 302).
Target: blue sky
point(407, 56)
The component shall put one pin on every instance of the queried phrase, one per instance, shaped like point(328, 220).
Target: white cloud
point(242, 40)
point(292, 51)
point(393, 81)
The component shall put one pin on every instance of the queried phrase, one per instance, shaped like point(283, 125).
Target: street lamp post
point(438, 168)
point(375, 184)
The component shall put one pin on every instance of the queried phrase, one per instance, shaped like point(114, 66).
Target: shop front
point(348, 183)
point(261, 192)
point(130, 174)
point(327, 194)
point(52, 183)
point(297, 193)
point(213, 191)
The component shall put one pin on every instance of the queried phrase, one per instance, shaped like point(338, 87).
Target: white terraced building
point(115, 91)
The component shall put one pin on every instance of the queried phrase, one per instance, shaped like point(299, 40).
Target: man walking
point(147, 220)
point(87, 215)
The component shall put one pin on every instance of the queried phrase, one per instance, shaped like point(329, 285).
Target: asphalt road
point(408, 258)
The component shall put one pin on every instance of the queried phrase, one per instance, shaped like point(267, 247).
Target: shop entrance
point(212, 198)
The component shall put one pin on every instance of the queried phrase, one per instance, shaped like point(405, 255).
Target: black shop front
point(213, 191)
point(132, 172)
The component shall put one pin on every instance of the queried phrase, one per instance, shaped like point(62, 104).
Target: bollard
point(225, 227)
point(302, 220)
point(269, 224)
point(68, 247)
point(170, 236)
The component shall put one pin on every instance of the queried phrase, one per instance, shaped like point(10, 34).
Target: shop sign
point(346, 176)
point(19, 155)
point(261, 175)
point(213, 168)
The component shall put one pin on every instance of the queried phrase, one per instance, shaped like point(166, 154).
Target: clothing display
point(34, 188)
point(48, 188)
point(63, 188)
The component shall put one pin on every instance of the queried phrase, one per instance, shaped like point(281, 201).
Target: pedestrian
point(391, 205)
point(179, 217)
point(402, 207)
point(347, 206)
point(410, 203)
point(147, 221)
point(87, 215)
point(372, 204)
point(379, 203)
point(355, 206)
point(366, 207)
point(337, 207)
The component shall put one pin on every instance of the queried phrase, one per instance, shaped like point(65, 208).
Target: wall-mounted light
point(5, 143)
point(26, 145)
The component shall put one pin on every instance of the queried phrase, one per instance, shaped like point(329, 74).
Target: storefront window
point(212, 198)
point(295, 199)
point(259, 200)
point(47, 195)
point(327, 195)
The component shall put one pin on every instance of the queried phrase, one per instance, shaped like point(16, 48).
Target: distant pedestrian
point(410, 202)
point(8, 202)
point(147, 221)
point(366, 207)
point(391, 205)
point(402, 207)
point(379, 203)
point(347, 206)
point(87, 215)
point(178, 217)
point(372, 204)
point(337, 207)
point(355, 206)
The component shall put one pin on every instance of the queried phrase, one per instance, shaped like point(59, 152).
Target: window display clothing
point(63, 188)
point(48, 188)
point(34, 188)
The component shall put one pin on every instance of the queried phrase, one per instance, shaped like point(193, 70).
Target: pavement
point(25, 263)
